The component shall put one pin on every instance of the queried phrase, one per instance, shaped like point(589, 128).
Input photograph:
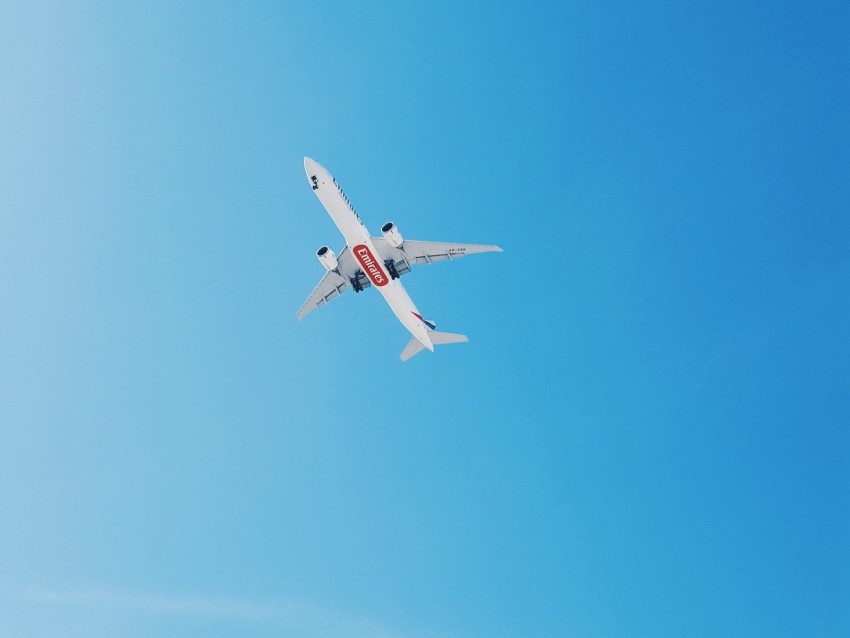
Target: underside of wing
point(335, 282)
point(414, 252)
point(332, 285)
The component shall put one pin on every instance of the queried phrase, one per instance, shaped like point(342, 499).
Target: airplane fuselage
point(359, 241)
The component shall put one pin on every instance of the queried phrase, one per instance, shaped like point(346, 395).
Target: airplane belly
point(336, 203)
point(366, 255)
point(392, 290)
point(405, 310)
point(349, 225)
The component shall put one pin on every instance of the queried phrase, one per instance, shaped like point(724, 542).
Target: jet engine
point(327, 257)
point(392, 235)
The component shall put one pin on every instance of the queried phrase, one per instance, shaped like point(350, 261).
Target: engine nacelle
point(327, 257)
point(392, 235)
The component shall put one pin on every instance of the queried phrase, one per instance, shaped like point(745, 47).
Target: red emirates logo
point(371, 266)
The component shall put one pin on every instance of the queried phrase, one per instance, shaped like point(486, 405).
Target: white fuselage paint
point(359, 241)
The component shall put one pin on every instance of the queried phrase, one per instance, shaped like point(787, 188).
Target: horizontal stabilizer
point(411, 349)
point(437, 338)
point(442, 338)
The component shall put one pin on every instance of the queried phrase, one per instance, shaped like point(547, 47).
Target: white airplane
point(377, 261)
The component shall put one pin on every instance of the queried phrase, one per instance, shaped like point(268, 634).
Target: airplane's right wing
point(426, 252)
point(334, 283)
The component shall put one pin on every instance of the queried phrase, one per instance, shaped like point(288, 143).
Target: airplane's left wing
point(334, 283)
point(414, 252)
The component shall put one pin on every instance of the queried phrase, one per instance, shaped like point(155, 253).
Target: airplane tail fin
point(437, 338)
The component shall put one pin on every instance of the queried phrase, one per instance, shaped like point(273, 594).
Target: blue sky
point(647, 433)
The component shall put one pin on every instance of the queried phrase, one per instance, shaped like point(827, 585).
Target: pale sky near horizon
point(647, 432)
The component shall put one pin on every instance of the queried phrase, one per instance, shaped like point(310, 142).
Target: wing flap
point(331, 285)
point(334, 283)
point(426, 252)
point(414, 252)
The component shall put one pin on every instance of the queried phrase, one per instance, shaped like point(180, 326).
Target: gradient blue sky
point(647, 433)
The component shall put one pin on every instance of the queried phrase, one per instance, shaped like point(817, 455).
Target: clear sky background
point(647, 433)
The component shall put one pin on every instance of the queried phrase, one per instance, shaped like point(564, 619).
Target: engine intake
point(391, 234)
point(327, 258)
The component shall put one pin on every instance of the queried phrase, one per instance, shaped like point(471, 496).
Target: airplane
point(368, 261)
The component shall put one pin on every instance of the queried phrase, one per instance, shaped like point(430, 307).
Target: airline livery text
point(370, 265)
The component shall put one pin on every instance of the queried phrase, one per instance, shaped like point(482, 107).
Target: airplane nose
point(315, 173)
